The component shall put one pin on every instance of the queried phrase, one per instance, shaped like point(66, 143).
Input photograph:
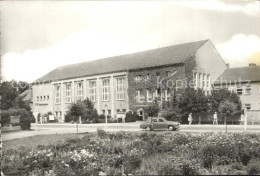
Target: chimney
point(252, 64)
point(228, 65)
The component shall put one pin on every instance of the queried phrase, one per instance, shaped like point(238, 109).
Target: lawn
point(33, 141)
point(136, 153)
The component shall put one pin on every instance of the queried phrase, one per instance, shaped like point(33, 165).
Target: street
point(64, 128)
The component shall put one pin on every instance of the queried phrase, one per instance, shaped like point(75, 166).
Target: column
point(98, 87)
point(72, 92)
point(126, 92)
point(62, 100)
point(112, 96)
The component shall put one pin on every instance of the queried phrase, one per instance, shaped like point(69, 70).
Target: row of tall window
point(105, 90)
point(151, 95)
point(201, 80)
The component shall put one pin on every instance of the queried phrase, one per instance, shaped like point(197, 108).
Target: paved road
point(64, 128)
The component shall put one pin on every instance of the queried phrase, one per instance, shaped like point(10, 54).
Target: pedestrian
point(252, 120)
point(215, 119)
point(242, 119)
point(190, 118)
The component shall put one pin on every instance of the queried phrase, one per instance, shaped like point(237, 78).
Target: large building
point(245, 82)
point(128, 82)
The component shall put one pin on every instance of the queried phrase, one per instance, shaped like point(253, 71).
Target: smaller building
point(244, 81)
point(27, 97)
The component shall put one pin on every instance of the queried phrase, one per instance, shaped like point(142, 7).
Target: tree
point(90, 113)
point(8, 95)
point(227, 109)
point(191, 100)
point(76, 110)
point(219, 96)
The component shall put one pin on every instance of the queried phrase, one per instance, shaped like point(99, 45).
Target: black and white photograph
point(128, 88)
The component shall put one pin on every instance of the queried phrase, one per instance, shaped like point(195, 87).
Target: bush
point(253, 168)
point(131, 117)
point(5, 118)
point(208, 155)
point(25, 118)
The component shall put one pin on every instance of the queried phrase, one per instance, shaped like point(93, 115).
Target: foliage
point(25, 118)
point(227, 108)
point(144, 154)
point(9, 94)
point(221, 95)
point(131, 117)
point(185, 101)
point(85, 109)
point(152, 111)
point(253, 168)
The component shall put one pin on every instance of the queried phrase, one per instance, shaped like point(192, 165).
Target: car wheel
point(148, 129)
point(170, 128)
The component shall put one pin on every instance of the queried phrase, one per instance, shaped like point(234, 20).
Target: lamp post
point(245, 119)
point(106, 114)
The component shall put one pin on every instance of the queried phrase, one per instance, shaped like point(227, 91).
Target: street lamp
point(106, 114)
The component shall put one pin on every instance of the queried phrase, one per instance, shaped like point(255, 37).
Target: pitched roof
point(145, 59)
point(251, 73)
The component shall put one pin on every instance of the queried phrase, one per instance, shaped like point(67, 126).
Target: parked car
point(159, 123)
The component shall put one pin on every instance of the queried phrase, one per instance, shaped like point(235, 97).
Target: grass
point(33, 141)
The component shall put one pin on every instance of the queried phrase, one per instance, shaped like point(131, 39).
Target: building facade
point(129, 82)
point(245, 82)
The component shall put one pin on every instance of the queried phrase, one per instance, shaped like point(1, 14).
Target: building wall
point(42, 105)
point(253, 98)
point(59, 110)
point(209, 61)
point(158, 78)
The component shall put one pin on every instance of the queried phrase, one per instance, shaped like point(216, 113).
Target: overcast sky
point(38, 36)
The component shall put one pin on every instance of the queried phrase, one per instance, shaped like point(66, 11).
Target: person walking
point(242, 119)
point(215, 119)
point(190, 118)
point(252, 117)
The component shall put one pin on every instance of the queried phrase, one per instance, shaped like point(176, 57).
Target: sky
point(39, 36)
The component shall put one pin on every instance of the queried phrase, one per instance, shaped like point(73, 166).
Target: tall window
point(167, 95)
point(105, 90)
point(195, 79)
point(247, 90)
point(204, 80)
point(68, 93)
point(57, 94)
point(79, 91)
point(120, 89)
point(200, 80)
point(138, 78)
point(92, 91)
point(158, 94)
point(149, 96)
point(139, 96)
point(208, 81)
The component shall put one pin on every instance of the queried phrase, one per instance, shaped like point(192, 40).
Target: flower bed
point(144, 154)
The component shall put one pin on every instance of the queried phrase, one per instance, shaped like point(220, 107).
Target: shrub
point(237, 165)
point(5, 118)
point(131, 117)
point(208, 155)
point(253, 168)
point(25, 118)
point(101, 133)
